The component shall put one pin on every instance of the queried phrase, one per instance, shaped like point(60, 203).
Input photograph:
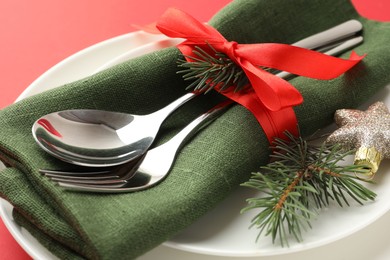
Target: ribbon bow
point(271, 98)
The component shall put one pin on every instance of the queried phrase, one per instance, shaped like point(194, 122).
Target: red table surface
point(35, 35)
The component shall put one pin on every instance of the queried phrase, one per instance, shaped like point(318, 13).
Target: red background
point(35, 35)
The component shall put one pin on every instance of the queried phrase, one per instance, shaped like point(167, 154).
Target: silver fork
point(151, 169)
point(120, 175)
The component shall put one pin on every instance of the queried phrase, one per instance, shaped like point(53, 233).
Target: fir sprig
point(211, 70)
point(302, 179)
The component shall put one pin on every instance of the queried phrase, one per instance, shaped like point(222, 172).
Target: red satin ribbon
point(271, 98)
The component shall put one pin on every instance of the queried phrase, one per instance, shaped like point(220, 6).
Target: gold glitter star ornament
point(367, 131)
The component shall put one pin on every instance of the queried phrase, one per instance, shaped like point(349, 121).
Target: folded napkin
point(106, 226)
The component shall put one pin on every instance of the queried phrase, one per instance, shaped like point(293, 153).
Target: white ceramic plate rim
point(192, 239)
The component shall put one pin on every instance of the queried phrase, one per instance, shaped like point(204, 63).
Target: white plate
point(223, 231)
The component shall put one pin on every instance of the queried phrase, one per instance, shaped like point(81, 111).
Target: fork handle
point(163, 156)
point(198, 123)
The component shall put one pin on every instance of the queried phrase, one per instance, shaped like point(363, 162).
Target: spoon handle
point(163, 113)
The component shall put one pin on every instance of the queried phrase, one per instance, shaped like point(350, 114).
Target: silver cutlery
point(97, 138)
point(153, 167)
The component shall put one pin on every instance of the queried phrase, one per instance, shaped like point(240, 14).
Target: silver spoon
point(98, 138)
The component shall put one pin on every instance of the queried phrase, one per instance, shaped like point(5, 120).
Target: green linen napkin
point(106, 226)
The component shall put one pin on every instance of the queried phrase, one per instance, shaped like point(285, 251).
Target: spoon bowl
point(91, 137)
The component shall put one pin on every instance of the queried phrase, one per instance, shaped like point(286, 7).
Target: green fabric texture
point(223, 155)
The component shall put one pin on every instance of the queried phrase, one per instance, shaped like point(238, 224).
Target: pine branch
point(212, 70)
point(302, 179)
